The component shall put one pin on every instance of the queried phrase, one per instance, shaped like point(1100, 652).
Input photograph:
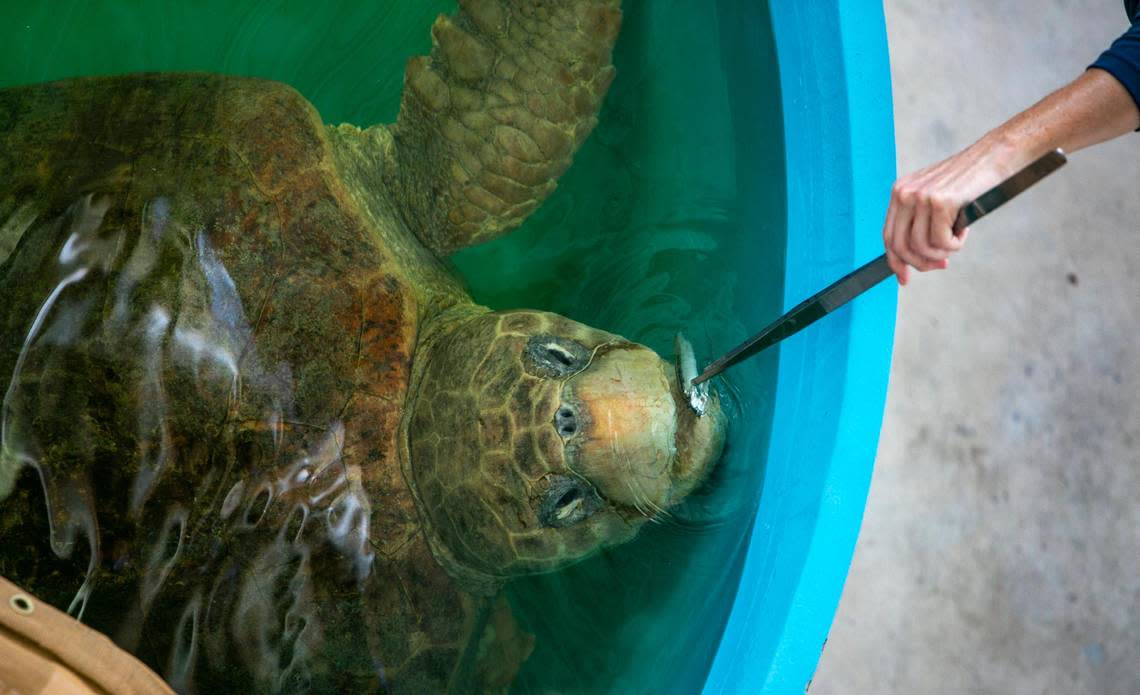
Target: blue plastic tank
point(840, 162)
point(742, 161)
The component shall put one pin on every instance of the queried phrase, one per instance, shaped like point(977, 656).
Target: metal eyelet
point(22, 604)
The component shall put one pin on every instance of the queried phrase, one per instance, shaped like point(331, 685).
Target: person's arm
point(1093, 108)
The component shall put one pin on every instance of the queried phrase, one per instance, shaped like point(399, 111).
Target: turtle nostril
point(566, 422)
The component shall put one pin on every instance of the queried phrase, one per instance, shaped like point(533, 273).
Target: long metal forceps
point(859, 281)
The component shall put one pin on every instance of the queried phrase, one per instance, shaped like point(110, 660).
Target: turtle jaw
point(700, 438)
point(635, 436)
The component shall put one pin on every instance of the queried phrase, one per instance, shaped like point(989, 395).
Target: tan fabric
point(43, 650)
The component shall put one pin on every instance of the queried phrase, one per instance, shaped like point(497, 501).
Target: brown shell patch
point(387, 336)
point(323, 325)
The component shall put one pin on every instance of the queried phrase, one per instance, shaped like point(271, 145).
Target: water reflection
point(219, 545)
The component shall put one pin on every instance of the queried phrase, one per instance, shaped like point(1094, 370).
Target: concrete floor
point(1000, 552)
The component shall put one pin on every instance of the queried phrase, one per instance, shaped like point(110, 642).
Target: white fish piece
point(687, 371)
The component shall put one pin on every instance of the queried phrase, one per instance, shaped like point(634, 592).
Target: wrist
point(1007, 150)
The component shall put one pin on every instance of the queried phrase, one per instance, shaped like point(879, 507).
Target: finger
point(896, 265)
point(928, 257)
point(955, 241)
point(902, 241)
point(942, 229)
point(900, 230)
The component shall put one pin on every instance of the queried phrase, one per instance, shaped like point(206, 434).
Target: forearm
point(1099, 105)
point(1091, 109)
point(918, 232)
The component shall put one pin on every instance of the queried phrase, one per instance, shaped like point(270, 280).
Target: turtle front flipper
point(491, 119)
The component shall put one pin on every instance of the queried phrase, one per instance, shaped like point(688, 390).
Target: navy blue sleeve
point(1122, 59)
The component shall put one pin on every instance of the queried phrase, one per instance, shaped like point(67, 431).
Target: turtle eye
point(566, 421)
point(554, 356)
point(567, 501)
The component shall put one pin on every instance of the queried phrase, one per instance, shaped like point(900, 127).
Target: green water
point(675, 197)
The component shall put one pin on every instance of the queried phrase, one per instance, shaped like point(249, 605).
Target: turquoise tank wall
point(832, 377)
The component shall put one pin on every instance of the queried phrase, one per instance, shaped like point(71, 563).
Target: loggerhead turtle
point(254, 429)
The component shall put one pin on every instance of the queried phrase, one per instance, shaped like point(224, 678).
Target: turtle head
point(534, 440)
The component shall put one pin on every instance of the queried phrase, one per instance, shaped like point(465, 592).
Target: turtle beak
point(639, 441)
point(701, 425)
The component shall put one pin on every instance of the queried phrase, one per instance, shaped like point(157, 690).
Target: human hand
point(919, 229)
